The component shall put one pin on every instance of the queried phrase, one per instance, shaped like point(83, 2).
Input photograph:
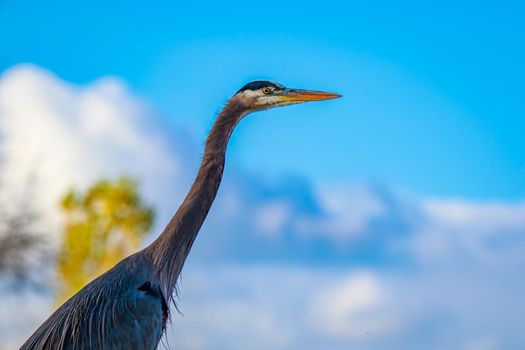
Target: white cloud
point(272, 306)
point(270, 218)
point(478, 218)
point(285, 307)
point(352, 308)
point(458, 229)
point(71, 135)
point(349, 211)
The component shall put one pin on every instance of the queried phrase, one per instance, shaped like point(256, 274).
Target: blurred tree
point(21, 244)
point(22, 241)
point(102, 226)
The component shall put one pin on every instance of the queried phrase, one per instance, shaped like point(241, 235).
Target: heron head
point(262, 94)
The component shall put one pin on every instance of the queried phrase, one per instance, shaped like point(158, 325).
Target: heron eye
point(266, 90)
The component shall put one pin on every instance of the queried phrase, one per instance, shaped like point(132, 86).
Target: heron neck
point(171, 248)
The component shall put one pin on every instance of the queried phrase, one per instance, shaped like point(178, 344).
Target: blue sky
point(383, 219)
point(433, 93)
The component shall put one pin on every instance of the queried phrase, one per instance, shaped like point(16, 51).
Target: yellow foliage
point(102, 226)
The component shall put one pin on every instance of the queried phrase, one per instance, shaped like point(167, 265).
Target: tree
point(21, 244)
point(22, 240)
point(102, 226)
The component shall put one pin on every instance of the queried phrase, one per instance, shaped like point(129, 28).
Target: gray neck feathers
point(170, 250)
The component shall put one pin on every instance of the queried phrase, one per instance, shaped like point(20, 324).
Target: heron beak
point(296, 95)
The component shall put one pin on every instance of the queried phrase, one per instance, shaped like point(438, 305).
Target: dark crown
point(258, 84)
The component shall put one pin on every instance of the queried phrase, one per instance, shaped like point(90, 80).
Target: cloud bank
point(279, 264)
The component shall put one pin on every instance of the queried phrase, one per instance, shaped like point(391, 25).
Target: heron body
point(128, 306)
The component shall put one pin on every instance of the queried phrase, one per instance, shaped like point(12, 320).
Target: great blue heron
point(128, 306)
